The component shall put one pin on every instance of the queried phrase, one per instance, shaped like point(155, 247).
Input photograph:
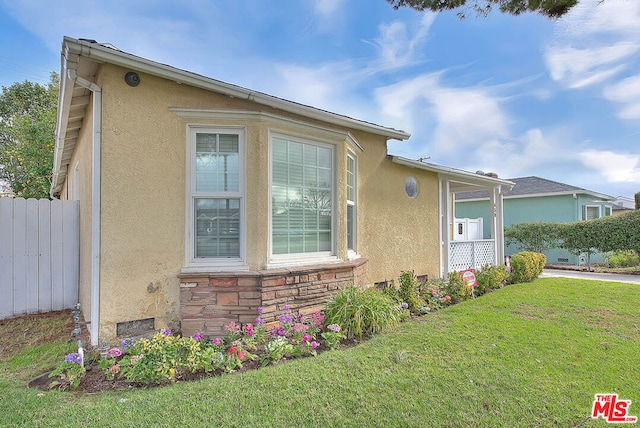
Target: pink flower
point(113, 353)
point(217, 341)
point(242, 355)
point(314, 344)
point(232, 326)
point(115, 369)
point(248, 329)
point(306, 337)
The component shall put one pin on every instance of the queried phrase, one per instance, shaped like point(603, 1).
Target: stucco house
point(534, 199)
point(201, 200)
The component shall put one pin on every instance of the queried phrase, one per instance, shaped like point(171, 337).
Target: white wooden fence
point(39, 255)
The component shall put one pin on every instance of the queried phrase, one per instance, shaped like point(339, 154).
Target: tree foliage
point(611, 233)
point(548, 8)
point(27, 126)
point(536, 237)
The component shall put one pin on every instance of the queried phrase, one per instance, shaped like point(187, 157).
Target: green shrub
point(491, 277)
point(624, 259)
point(362, 312)
point(457, 288)
point(409, 292)
point(527, 266)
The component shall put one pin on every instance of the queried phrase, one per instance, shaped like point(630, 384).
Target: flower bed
point(166, 358)
point(352, 315)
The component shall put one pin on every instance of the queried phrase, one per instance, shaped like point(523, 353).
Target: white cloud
point(399, 46)
point(326, 8)
point(627, 93)
point(594, 42)
point(453, 122)
point(578, 68)
point(616, 167)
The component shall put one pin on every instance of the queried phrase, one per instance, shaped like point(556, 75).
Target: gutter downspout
point(440, 232)
point(94, 327)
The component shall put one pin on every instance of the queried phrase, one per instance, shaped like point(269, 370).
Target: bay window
point(301, 198)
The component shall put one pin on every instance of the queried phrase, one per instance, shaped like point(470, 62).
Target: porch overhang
point(452, 181)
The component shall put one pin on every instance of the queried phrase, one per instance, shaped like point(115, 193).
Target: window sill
point(214, 266)
point(277, 263)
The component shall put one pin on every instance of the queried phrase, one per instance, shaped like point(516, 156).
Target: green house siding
point(556, 208)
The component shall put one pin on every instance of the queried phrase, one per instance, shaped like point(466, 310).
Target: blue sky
point(518, 96)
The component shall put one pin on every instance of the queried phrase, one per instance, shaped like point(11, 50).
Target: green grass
point(530, 355)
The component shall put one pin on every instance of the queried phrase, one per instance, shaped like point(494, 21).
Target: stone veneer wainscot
point(209, 301)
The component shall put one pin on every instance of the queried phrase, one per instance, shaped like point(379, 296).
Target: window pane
point(217, 162)
point(350, 211)
point(310, 155)
point(592, 213)
point(324, 241)
point(324, 157)
point(279, 150)
point(301, 222)
point(351, 179)
point(217, 224)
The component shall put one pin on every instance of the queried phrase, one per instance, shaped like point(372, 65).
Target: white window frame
point(201, 264)
point(302, 259)
point(586, 211)
point(352, 253)
point(608, 210)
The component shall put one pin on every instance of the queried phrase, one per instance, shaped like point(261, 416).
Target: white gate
point(39, 255)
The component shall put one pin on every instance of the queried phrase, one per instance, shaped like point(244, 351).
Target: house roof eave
point(465, 179)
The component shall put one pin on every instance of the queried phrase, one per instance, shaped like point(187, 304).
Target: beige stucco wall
point(395, 232)
point(144, 191)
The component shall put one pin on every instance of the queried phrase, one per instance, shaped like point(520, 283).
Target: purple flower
point(259, 321)
point(260, 310)
point(334, 327)
point(216, 341)
point(198, 336)
point(126, 343)
point(166, 332)
point(404, 305)
point(278, 331)
point(285, 308)
point(73, 358)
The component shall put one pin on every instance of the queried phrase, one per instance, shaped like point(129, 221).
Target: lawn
point(531, 355)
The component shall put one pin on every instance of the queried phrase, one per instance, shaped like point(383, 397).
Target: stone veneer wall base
point(209, 301)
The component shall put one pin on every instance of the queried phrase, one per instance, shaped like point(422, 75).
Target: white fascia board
point(69, 63)
point(99, 53)
point(454, 174)
point(568, 192)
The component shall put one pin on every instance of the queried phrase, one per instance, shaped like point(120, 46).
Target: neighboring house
point(623, 205)
point(201, 201)
point(534, 199)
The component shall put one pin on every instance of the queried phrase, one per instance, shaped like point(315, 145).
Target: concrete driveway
point(616, 277)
